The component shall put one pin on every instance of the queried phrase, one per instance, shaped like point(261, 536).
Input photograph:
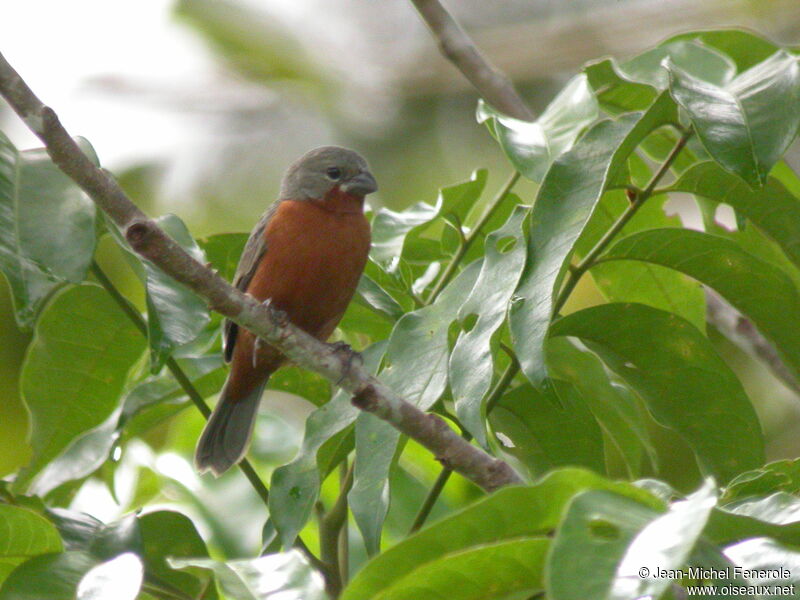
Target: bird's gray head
point(327, 169)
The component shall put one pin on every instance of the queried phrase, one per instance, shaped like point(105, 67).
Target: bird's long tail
point(227, 434)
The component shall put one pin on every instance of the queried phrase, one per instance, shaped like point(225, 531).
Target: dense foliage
point(464, 310)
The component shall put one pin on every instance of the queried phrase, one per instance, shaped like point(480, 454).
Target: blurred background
point(198, 106)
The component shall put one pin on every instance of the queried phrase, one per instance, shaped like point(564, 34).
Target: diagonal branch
point(152, 243)
point(456, 45)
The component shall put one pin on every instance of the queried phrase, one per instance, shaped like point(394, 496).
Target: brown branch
point(741, 332)
point(152, 243)
point(456, 45)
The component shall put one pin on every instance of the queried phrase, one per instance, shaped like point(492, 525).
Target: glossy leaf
point(51, 576)
point(533, 146)
point(471, 365)
point(591, 540)
point(696, 59)
point(772, 208)
point(666, 543)
point(614, 406)
point(415, 367)
point(170, 534)
point(175, 314)
point(615, 91)
point(47, 227)
point(24, 534)
point(85, 454)
point(510, 513)
point(746, 49)
point(295, 486)
point(75, 370)
point(568, 195)
point(770, 564)
point(277, 576)
point(391, 229)
point(754, 287)
point(686, 385)
point(479, 573)
point(779, 508)
point(223, 251)
point(781, 475)
point(747, 124)
point(549, 428)
point(645, 283)
point(726, 527)
point(117, 579)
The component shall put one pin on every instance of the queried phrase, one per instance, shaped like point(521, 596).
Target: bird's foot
point(349, 357)
point(279, 317)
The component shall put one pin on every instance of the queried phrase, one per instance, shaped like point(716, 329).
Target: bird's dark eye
point(334, 173)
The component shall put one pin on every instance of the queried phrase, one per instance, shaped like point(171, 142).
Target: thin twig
point(433, 494)
point(152, 243)
point(576, 272)
point(329, 527)
point(455, 44)
point(468, 239)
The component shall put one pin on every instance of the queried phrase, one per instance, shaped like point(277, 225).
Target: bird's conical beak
point(360, 185)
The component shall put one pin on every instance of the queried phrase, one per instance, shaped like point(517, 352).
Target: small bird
point(305, 257)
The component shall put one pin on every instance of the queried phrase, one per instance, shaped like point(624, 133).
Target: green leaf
point(772, 208)
point(747, 124)
point(756, 288)
point(614, 406)
point(471, 365)
point(23, 534)
point(75, 370)
point(769, 564)
point(378, 299)
point(286, 575)
point(686, 385)
point(415, 367)
point(614, 91)
point(745, 48)
point(479, 573)
point(85, 454)
point(223, 251)
point(117, 579)
point(47, 228)
point(549, 428)
point(167, 533)
point(295, 486)
point(590, 542)
point(645, 283)
point(696, 59)
point(175, 314)
point(568, 195)
point(396, 234)
point(50, 576)
point(781, 475)
point(779, 508)
point(533, 146)
point(510, 513)
point(665, 542)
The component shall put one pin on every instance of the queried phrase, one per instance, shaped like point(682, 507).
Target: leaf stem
point(180, 376)
point(469, 238)
point(330, 525)
point(588, 261)
point(433, 494)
